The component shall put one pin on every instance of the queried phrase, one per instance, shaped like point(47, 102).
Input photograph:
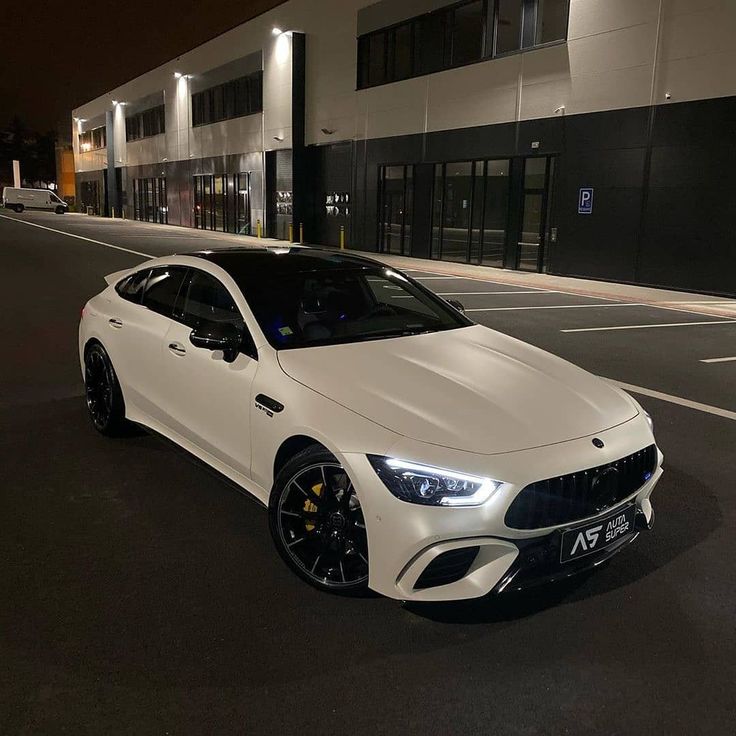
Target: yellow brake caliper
point(312, 508)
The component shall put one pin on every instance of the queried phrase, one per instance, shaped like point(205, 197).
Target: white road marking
point(716, 410)
point(554, 306)
point(718, 360)
point(79, 237)
point(489, 293)
point(435, 278)
point(644, 327)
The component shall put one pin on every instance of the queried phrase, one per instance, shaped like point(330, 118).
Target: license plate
point(597, 535)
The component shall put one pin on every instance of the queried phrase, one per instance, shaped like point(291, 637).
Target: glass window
point(333, 306)
point(508, 27)
point(238, 97)
point(456, 211)
point(162, 289)
point(429, 43)
point(551, 20)
point(534, 172)
point(467, 35)
point(206, 300)
point(377, 59)
point(495, 212)
point(402, 51)
point(131, 288)
point(437, 210)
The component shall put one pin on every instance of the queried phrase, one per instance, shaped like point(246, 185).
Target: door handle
point(118, 323)
point(177, 348)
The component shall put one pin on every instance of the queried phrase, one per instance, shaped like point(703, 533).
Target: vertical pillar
point(300, 209)
point(112, 193)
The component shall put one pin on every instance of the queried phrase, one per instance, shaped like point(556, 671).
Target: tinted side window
point(205, 299)
point(131, 287)
point(162, 289)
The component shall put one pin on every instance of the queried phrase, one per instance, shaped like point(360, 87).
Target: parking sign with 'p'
point(585, 201)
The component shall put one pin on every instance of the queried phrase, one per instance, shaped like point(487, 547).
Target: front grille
point(576, 496)
point(446, 568)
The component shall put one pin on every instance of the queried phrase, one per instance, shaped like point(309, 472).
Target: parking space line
point(718, 360)
point(644, 327)
point(493, 293)
point(79, 237)
point(435, 278)
point(715, 410)
point(555, 306)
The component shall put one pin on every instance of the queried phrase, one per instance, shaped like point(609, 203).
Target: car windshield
point(328, 307)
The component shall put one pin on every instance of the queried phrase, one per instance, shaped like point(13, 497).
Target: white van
point(33, 199)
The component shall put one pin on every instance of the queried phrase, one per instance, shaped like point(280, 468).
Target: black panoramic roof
point(285, 260)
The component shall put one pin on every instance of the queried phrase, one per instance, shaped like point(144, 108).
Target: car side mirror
point(458, 305)
point(224, 336)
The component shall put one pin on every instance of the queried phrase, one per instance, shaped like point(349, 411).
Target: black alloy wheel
point(102, 392)
point(317, 523)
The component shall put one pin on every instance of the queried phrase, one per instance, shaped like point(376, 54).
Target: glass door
point(396, 210)
point(535, 200)
point(242, 198)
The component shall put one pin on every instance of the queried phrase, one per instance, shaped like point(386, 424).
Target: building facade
point(589, 138)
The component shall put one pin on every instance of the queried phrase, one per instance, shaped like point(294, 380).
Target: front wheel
point(60, 210)
point(19, 208)
point(102, 391)
point(317, 523)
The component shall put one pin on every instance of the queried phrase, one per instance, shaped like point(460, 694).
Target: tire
point(317, 523)
point(19, 208)
point(104, 398)
point(60, 210)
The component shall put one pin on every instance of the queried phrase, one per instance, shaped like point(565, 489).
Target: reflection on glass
point(508, 30)
point(496, 212)
point(530, 232)
point(437, 211)
point(456, 214)
point(551, 20)
point(534, 171)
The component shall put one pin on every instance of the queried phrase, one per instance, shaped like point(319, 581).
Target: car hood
point(470, 389)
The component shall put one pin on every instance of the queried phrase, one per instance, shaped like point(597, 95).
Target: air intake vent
point(576, 496)
point(446, 568)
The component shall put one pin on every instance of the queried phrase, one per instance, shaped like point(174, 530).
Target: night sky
point(58, 55)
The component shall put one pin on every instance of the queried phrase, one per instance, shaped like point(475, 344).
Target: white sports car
point(398, 445)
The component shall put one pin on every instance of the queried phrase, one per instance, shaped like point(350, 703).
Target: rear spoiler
point(112, 278)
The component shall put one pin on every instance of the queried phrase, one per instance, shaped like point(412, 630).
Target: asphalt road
point(140, 594)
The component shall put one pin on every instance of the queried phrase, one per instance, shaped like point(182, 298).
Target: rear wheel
point(317, 523)
point(102, 392)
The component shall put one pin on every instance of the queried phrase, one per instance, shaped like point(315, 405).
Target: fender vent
point(446, 568)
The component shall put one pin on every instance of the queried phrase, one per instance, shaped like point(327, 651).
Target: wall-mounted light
point(276, 31)
point(560, 109)
point(328, 131)
point(177, 75)
point(278, 138)
point(114, 102)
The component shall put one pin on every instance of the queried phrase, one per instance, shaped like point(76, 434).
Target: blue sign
point(585, 201)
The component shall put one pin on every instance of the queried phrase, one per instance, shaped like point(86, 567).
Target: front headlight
point(430, 486)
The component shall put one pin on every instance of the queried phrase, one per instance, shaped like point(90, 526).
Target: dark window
point(401, 51)
point(205, 299)
point(467, 33)
point(377, 59)
point(145, 124)
point(131, 287)
point(551, 20)
point(508, 26)
point(233, 99)
point(462, 33)
point(162, 289)
point(429, 47)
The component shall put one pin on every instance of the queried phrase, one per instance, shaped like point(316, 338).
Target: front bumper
point(405, 540)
